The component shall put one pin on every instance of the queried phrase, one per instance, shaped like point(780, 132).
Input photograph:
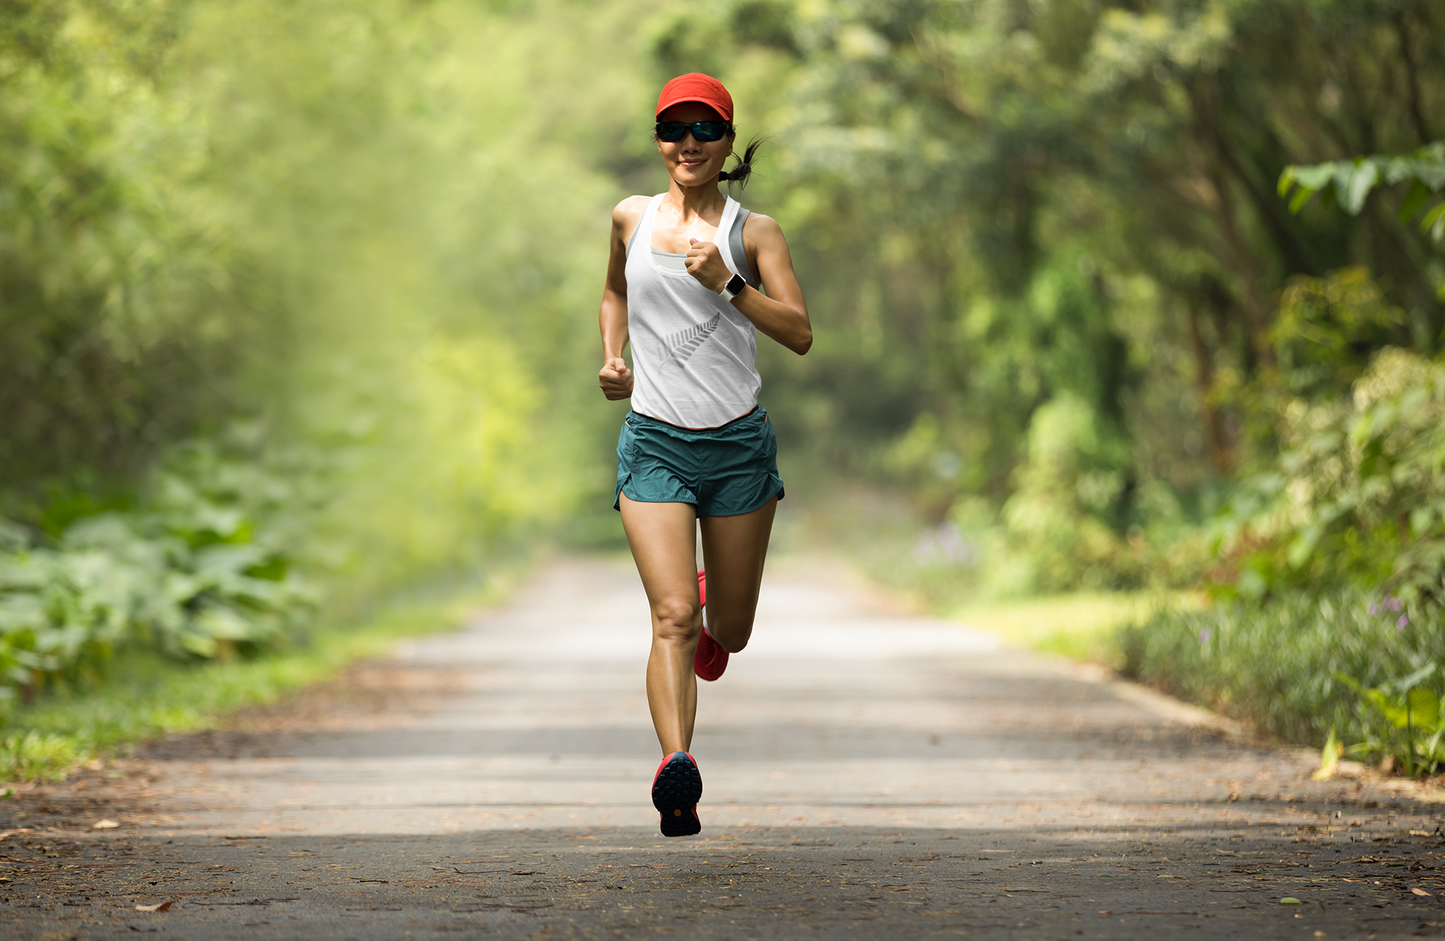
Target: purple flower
point(1204, 635)
point(1389, 603)
point(1400, 624)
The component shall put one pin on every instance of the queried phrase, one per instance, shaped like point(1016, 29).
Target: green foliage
point(1279, 663)
point(119, 320)
point(38, 756)
point(1358, 495)
point(202, 569)
point(1327, 329)
point(1412, 727)
point(1067, 495)
point(1349, 182)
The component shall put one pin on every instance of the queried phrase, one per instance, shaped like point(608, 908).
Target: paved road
point(868, 775)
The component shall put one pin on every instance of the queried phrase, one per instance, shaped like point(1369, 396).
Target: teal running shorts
point(722, 471)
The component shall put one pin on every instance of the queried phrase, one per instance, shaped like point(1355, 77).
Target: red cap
point(695, 86)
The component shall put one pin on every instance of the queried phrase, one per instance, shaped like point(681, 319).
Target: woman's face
point(688, 161)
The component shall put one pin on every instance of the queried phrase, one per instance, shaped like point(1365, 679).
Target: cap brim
point(701, 101)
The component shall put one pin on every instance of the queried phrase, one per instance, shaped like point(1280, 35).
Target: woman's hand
point(615, 379)
point(704, 262)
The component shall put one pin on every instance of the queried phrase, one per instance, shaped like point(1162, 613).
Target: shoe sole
point(675, 794)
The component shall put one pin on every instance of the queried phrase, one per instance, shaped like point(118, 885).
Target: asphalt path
point(867, 773)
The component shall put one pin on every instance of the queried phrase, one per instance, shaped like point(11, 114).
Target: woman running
point(696, 451)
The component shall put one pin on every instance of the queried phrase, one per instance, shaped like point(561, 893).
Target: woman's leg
point(733, 551)
point(663, 537)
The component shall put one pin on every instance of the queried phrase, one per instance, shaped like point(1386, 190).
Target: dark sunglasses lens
point(671, 131)
point(706, 131)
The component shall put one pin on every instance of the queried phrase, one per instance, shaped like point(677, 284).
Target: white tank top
point(692, 352)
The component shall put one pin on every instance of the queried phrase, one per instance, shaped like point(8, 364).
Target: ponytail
point(744, 167)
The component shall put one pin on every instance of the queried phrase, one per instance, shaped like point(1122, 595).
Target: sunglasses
point(702, 131)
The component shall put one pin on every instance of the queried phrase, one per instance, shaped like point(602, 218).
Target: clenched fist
point(615, 379)
point(704, 262)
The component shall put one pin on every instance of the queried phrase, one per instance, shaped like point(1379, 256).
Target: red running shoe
point(710, 660)
point(676, 789)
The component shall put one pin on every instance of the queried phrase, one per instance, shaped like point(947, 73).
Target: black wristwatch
point(733, 288)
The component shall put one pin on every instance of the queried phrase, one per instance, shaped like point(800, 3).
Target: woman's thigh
point(734, 549)
point(663, 539)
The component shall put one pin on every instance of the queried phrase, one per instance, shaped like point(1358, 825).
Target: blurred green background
point(298, 312)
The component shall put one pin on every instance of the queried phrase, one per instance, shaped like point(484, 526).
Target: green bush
point(1287, 664)
point(1357, 496)
point(206, 566)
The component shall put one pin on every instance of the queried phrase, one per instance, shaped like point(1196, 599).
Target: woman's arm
point(615, 379)
point(781, 313)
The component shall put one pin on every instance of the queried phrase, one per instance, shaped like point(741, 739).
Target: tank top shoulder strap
point(730, 234)
point(739, 253)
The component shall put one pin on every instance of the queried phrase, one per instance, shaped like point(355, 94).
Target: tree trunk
point(1220, 457)
point(1242, 260)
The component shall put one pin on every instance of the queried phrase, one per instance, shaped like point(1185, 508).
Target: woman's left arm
point(781, 313)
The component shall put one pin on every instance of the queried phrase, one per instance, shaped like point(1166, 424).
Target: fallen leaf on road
point(1422, 892)
point(1290, 901)
point(6, 834)
point(159, 907)
point(105, 825)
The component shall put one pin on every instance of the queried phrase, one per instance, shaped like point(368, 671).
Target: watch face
point(736, 284)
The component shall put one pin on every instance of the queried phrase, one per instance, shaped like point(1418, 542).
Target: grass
point(1079, 625)
point(143, 694)
point(886, 536)
point(1276, 664)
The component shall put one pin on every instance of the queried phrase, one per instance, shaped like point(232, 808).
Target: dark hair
point(744, 167)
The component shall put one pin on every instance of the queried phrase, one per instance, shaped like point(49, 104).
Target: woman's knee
point(676, 619)
point(731, 636)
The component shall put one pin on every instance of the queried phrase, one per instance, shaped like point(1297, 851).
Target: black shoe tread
point(675, 794)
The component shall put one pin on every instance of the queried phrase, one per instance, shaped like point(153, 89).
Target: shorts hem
point(776, 491)
point(622, 488)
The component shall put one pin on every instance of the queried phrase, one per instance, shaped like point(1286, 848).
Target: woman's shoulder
point(761, 229)
point(627, 214)
point(631, 207)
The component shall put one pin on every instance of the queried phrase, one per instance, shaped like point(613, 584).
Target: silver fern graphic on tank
point(686, 342)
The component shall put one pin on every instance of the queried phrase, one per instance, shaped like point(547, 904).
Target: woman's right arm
point(615, 379)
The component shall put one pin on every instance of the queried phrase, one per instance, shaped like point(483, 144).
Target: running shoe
point(676, 789)
point(710, 660)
